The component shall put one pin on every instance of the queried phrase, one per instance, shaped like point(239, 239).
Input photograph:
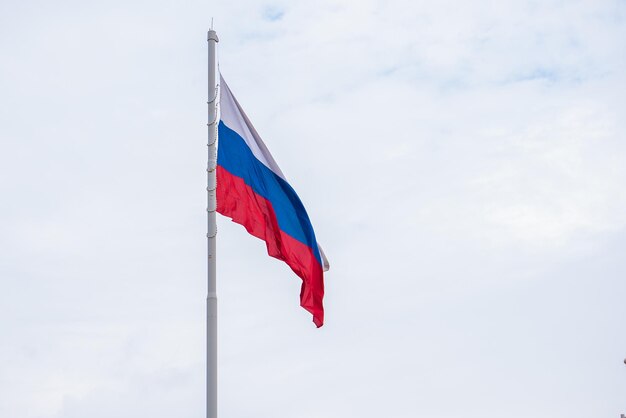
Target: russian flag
point(253, 192)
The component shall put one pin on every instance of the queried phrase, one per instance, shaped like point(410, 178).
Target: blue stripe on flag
point(234, 155)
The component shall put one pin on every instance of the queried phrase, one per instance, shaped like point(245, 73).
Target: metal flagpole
point(211, 335)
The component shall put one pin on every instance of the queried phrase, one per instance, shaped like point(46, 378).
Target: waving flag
point(253, 192)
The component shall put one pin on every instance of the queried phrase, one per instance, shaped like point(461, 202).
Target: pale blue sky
point(463, 164)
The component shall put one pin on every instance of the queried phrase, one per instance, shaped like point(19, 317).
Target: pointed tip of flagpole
point(212, 35)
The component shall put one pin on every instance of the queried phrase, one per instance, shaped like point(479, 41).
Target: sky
point(463, 164)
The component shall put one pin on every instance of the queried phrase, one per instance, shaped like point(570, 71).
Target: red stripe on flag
point(237, 200)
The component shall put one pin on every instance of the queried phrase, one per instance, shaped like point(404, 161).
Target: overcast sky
point(463, 163)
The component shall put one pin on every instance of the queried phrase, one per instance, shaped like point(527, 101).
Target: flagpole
point(211, 342)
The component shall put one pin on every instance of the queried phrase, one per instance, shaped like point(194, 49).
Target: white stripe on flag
point(234, 117)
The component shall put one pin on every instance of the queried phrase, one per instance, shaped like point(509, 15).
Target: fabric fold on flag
point(253, 192)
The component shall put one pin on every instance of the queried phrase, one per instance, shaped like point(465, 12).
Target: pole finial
point(212, 36)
